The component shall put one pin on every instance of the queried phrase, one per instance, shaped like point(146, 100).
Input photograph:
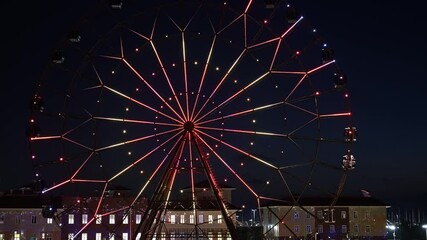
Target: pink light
point(265, 21)
point(346, 95)
point(297, 52)
point(317, 93)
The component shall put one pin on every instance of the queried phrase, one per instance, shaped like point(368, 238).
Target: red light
point(317, 93)
point(297, 52)
point(78, 200)
point(61, 159)
point(33, 157)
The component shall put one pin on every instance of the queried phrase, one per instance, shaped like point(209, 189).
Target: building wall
point(338, 222)
point(296, 219)
point(331, 223)
point(367, 222)
point(27, 224)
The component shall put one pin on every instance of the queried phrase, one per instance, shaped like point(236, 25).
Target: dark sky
point(381, 46)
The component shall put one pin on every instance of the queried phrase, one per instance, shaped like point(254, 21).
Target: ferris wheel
point(166, 98)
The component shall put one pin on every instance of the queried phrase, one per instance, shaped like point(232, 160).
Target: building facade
point(313, 218)
point(21, 217)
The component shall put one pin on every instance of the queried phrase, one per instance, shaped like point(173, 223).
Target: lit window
point(70, 236)
point(138, 236)
point(84, 218)
point(18, 219)
point(296, 215)
point(126, 219)
point(125, 236)
point(219, 236)
point(343, 215)
point(70, 218)
point(210, 235)
point(84, 236)
point(16, 236)
point(210, 219)
point(172, 219)
point(98, 219)
point(355, 214)
point(49, 220)
point(112, 219)
point(181, 219)
point(34, 219)
point(98, 236)
point(331, 228)
point(296, 228)
point(111, 236)
point(219, 218)
point(1, 219)
point(191, 218)
point(344, 228)
point(138, 218)
point(48, 236)
point(201, 219)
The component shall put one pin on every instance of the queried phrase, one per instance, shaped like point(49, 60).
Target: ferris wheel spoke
point(238, 149)
point(156, 170)
point(220, 82)
point(135, 140)
point(234, 96)
point(137, 121)
point(193, 191)
point(145, 156)
point(142, 104)
point(241, 113)
point(202, 79)
point(155, 92)
point(244, 131)
point(230, 168)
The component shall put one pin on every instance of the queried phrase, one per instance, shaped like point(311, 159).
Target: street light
point(393, 228)
point(425, 227)
point(253, 214)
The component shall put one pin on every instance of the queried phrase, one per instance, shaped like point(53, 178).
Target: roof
point(28, 201)
point(205, 184)
point(200, 205)
point(325, 201)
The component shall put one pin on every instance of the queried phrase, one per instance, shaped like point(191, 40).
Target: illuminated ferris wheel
point(162, 99)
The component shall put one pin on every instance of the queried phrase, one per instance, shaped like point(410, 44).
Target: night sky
point(381, 47)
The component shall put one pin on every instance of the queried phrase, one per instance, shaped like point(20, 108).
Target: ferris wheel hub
point(189, 126)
